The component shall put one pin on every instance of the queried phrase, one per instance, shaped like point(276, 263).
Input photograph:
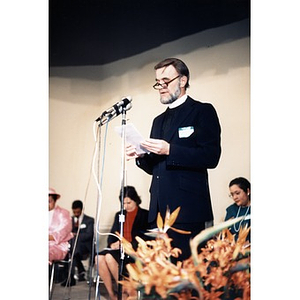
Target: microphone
point(115, 110)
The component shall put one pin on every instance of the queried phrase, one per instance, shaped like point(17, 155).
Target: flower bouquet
point(220, 271)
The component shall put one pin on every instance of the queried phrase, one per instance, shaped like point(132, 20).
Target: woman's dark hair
point(130, 192)
point(242, 183)
point(179, 66)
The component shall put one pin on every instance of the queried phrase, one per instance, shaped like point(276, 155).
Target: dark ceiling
point(96, 32)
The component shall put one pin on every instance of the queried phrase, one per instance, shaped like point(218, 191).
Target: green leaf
point(239, 267)
point(184, 284)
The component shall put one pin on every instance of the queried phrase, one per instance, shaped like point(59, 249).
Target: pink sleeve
point(62, 232)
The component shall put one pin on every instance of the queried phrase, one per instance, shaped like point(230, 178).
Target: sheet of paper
point(133, 137)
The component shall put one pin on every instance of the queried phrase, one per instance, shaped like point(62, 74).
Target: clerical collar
point(178, 102)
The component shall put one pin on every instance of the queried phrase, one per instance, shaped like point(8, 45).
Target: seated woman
point(240, 191)
point(136, 224)
point(60, 227)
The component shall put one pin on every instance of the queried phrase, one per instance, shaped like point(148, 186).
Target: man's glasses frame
point(158, 86)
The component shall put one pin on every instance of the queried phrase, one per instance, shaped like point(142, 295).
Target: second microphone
point(115, 110)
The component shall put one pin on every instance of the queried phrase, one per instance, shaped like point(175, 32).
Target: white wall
point(219, 64)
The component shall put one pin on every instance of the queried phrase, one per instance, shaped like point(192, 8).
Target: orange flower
point(163, 227)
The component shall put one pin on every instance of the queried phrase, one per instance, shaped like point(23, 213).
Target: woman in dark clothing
point(136, 224)
point(240, 191)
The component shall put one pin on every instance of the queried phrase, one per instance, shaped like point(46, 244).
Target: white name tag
point(82, 226)
point(185, 132)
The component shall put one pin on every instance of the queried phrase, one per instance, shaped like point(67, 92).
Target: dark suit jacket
point(86, 233)
point(181, 179)
point(139, 227)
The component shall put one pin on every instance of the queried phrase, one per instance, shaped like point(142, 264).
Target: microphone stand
point(122, 215)
point(104, 119)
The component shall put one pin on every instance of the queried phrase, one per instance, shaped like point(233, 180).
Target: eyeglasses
point(158, 86)
point(234, 194)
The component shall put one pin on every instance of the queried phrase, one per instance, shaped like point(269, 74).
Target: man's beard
point(172, 97)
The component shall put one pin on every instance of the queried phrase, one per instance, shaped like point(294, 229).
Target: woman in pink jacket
point(60, 226)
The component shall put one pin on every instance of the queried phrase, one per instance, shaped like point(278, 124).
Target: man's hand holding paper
point(156, 146)
point(134, 139)
point(131, 152)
